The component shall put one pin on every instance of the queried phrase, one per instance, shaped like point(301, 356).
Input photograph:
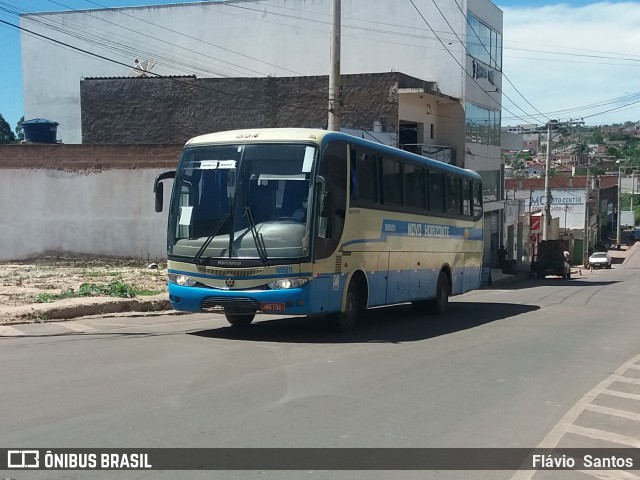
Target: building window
point(491, 190)
point(484, 43)
point(482, 125)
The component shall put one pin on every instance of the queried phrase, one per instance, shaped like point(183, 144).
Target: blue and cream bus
point(301, 222)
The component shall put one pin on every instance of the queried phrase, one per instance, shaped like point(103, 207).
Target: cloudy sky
point(570, 60)
point(563, 57)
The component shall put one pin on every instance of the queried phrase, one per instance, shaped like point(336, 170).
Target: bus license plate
point(272, 307)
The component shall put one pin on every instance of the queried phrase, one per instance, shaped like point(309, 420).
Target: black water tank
point(40, 130)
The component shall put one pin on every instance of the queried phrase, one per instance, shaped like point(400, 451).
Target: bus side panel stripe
point(402, 228)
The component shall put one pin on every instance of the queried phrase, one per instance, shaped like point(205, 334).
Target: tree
point(613, 152)
point(596, 137)
point(518, 164)
point(6, 134)
point(20, 129)
point(581, 150)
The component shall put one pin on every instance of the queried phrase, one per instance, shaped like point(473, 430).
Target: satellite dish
point(141, 69)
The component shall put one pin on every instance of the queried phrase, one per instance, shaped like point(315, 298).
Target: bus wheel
point(345, 321)
point(438, 305)
point(238, 320)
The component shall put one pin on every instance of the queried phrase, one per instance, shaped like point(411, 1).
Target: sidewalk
point(71, 308)
point(619, 258)
point(59, 288)
point(81, 307)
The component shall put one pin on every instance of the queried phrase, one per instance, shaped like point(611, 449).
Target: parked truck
point(550, 259)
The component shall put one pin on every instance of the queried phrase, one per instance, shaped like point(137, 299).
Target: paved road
point(540, 363)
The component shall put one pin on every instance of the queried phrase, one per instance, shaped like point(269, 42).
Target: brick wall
point(173, 109)
point(88, 157)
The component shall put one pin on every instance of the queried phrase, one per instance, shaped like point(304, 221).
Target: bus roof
point(317, 136)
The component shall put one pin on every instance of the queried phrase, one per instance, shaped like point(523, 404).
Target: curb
point(81, 307)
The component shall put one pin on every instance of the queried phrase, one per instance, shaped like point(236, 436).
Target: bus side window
point(467, 197)
point(454, 195)
point(354, 181)
point(414, 186)
point(477, 200)
point(436, 192)
point(333, 168)
point(392, 191)
point(364, 178)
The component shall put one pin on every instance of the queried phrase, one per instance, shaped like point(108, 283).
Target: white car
point(600, 260)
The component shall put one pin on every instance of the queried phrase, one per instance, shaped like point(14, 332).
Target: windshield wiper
point(206, 243)
point(257, 236)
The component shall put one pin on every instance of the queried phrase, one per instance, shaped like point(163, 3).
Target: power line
point(593, 105)
point(154, 38)
point(486, 50)
point(192, 85)
point(195, 38)
point(462, 66)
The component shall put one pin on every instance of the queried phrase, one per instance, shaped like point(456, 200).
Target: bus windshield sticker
point(215, 164)
point(185, 215)
point(268, 176)
point(308, 159)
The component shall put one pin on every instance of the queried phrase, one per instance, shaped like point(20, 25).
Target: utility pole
point(546, 227)
point(334, 75)
point(585, 253)
point(619, 216)
point(547, 185)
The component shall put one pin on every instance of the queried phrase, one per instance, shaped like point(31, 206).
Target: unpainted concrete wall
point(74, 200)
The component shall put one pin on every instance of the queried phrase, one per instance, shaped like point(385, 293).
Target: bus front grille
point(236, 305)
point(230, 272)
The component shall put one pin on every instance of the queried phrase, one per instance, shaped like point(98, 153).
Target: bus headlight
point(181, 280)
point(288, 283)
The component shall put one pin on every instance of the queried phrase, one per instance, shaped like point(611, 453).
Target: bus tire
point(240, 320)
point(345, 321)
point(439, 304)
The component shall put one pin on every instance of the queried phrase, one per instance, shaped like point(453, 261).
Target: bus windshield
point(242, 201)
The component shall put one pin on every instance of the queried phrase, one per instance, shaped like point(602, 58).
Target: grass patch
point(112, 289)
point(101, 274)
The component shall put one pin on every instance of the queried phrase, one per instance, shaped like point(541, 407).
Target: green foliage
point(20, 130)
point(518, 164)
point(614, 152)
point(524, 156)
point(112, 289)
point(619, 137)
point(596, 137)
point(6, 134)
point(631, 151)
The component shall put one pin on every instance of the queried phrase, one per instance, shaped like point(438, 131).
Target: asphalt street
point(537, 363)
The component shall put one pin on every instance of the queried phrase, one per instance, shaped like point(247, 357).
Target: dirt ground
point(25, 282)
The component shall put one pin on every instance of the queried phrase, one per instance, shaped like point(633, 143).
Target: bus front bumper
point(290, 301)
